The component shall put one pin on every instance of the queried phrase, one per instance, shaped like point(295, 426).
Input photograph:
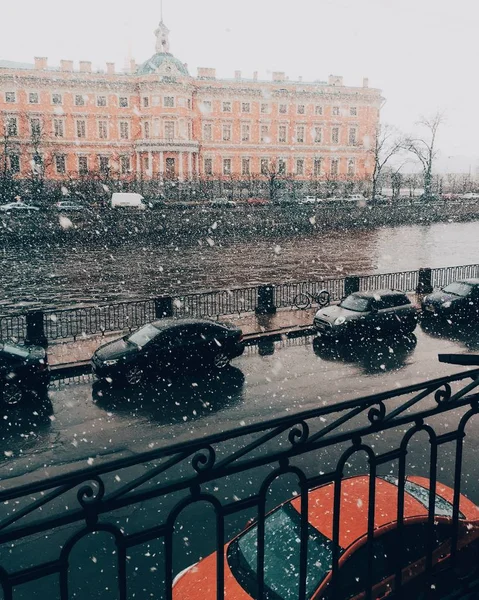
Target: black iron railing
point(93, 320)
point(130, 525)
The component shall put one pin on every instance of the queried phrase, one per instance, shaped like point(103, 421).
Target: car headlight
point(340, 321)
point(447, 304)
point(110, 363)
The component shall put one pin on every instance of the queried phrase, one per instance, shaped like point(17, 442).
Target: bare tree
point(388, 142)
point(424, 149)
point(274, 172)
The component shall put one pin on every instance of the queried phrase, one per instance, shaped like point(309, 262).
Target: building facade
point(156, 121)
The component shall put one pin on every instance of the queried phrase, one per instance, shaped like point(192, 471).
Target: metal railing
point(93, 320)
point(131, 524)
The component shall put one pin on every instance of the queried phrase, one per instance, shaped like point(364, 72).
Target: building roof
point(162, 59)
point(11, 64)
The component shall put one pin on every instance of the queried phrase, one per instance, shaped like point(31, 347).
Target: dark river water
point(46, 277)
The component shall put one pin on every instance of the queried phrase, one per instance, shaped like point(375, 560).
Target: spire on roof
point(162, 33)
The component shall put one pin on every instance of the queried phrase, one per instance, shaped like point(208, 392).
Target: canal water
point(45, 277)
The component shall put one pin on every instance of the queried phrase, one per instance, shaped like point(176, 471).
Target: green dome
point(158, 60)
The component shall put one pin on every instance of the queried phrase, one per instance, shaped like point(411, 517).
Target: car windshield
point(144, 335)
point(14, 350)
point(355, 303)
point(458, 289)
point(281, 556)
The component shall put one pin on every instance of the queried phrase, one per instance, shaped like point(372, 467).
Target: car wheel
point(134, 375)
point(12, 394)
point(221, 360)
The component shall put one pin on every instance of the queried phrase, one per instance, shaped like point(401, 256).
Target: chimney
point(279, 76)
point(335, 80)
point(365, 82)
point(255, 76)
point(66, 65)
point(205, 73)
point(41, 63)
point(132, 65)
point(237, 75)
point(85, 66)
point(110, 68)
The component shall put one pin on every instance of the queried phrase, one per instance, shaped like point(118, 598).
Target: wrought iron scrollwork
point(443, 395)
point(90, 494)
point(377, 413)
point(204, 459)
point(299, 434)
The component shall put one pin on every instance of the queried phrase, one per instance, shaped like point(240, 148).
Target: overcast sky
point(421, 53)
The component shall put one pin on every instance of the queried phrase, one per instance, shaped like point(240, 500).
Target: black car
point(457, 301)
point(167, 346)
point(375, 312)
point(23, 369)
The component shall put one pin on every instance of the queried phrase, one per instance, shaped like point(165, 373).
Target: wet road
point(85, 420)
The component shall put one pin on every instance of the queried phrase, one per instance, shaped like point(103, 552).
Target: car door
point(165, 352)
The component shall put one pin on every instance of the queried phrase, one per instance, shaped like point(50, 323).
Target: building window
point(245, 166)
point(226, 133)
point(14, 160)
point(125, 164)
point(79, 100)
point(318, 110)
point(300, 166)
point(104, 162)
point(146, 163)
point(207, 132)
point(300, 134)
point(317, 167)
point(57, 99)
point(123, 102)
point(264, 134)
point(245, 132)
point(83, 165)
point(352, 136)
point(281, 166)
point(124, 130)
point(37, 163)
point(264, 166)
point(12, 126)
point(335, 135)
point(33, 98)
point(353, 111)
point(334, 166)
point(227, 166)
point(101, 100)
point(103, 130)
point(246, 107)
point(227, 107)
point(146, 129)
point(170, 171)
point(208, 166)
point(351, 167)
point(35, 127)
point(318, 135)
point(81, 129)
point(301, 109)
point(146, 102)
point(283, 109)
point(58, 128)
point(282, 133)
point(60, 164)
point(169, 101)
point(264, 108)
point(169, 130)
point(10, 97)
point(335, 111)
point(205, 106)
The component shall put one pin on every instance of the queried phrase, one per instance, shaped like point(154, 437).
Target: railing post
point(351, 284)
point(265, 301)
point(35, 333)
point(424, 284)
point(163, 307)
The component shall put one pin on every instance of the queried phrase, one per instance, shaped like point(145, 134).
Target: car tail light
point(42, 366)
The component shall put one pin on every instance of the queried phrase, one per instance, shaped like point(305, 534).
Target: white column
point(138, 164)
point(180, 170)
point(162, 164)
point(150, 163)
point(190, 165)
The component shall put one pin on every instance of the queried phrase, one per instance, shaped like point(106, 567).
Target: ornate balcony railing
point(124, 528)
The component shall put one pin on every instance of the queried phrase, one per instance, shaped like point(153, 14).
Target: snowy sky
point(421, 53)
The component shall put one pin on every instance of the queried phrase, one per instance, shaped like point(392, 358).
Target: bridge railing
point(78, 322)
point(128, 526)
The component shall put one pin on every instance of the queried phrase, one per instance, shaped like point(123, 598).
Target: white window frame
point(56, 103)
point(335, 111)
point(166, 124)
point(208, 158)
point(318, 110)
point(280, 127)
point(61, 122)
point(19, 158)
point(57, 171)
point(122, 158)
point(226, 127)
point(352, 172)
point(76, 96)
point(230, 160)
point(247, 138)
point(262, 135)
point(353, 111)
point(317, 160)
point(127, 98)
point(303, 107)
point(146, 130)
point(121, 125)
point(350, 131)
point(38, 97)
point(224, 103)
point(81, 137)
point(165, 105)
point(262, 160)
point(336, 162)
point(266, 107)
point(8, 120)
point(296, 165)
point(335, 129)
point(303, 139)
point(80, 169)
point(147, 98)
point(280, 106)
point(14, 101)
point(245, 160)
point(97, 101)
point(32, 132)
point(318, 139)
point(208, 137)
point(100, 124)
point(247, 104)
point(107, 157)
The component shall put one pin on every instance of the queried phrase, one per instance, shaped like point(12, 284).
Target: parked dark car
point(23, 369)
point(167, 346)
point(457, 301)
point(67, 206)
point(364, 313)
